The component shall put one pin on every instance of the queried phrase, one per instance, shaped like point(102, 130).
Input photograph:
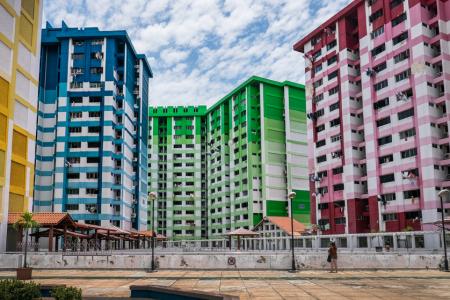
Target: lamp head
point(443, 192)
point(152, 195)
point(292, 195)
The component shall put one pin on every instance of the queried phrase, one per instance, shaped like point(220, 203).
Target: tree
point(26, 222)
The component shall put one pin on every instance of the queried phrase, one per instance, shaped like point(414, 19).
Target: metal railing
point(397, 242)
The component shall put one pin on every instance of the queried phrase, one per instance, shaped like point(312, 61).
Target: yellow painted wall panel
point(19, 146)
point(4, 87)
point(18, 173)
point(29, 7)
point(16, 203)
point(3, 128)
point(26, 30)
point(2, 163)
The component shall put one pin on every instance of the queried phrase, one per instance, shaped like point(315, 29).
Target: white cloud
point(200, 50)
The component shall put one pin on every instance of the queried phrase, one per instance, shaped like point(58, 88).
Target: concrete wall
point(221, 261)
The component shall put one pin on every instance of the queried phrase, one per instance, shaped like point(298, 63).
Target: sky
point(200, 50)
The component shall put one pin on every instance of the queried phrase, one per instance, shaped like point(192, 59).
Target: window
point(400, 38)
point(93, 160)
point(72, 191)
point(339, 221)
point(411, 194)
point(317, 54)
point(318, 83)
point(338, 170)
point(322, 158)
point(395, 3)
point(320, 113)
point(94, 114)
point(93, 144)
point(332, 60)
point(405, 114)
point(409, 153)
point(76, 56)
point(389, 197)
point(74, 129)
point(95, 99)
point(71, 206)
point(398, 20)
point(403, 75)
point(376, 15)
point(318, 68)
point(407, 133)
point(378, 50)
point(320, 143)
point(334, 106)
point(318, 98)
point(377, 32)
point(73, 145)
point(94, 129)
point(338, 187)
point(380, 85)
point(386, 159)
point(92, 191)
point(380, 67)
point(401, 56)
point(333, 90)
point(73, 175)
point(331, 45)
point(76, 115)
point(76, 100)
point(335, 122)
point(387, 178)
point(381, 103)
point(320, 128)
point(390, 217)
point(333, 75)
point(91, 175)
point(336, 138)
point(385, 140)
point(321, 206)
point(384, 121)
point(96, 70)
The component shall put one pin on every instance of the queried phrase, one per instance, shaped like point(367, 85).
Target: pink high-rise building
point(377, 88)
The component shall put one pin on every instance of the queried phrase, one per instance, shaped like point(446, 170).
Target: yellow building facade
point(20, 30)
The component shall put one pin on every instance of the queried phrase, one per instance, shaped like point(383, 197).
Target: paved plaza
point(408, 284)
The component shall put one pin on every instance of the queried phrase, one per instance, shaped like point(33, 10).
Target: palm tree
point(26, 222)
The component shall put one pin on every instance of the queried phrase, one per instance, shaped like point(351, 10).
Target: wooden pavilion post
point(239, 242)
point(50, 239)
point(65, 238)
point(107, 240)
point(230, 241)
point(96, 239)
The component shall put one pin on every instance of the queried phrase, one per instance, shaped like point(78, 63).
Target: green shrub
point(66, 293)
point(12, 289)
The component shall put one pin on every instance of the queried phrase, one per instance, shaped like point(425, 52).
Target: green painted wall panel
point(276, 208)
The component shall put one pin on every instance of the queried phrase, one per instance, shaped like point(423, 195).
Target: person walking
point(332, 257)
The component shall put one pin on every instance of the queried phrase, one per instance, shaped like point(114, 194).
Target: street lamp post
point(152, 196)
point(291, 196)
point(441, 194)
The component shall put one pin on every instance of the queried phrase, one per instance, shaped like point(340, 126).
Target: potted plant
point(25, 222)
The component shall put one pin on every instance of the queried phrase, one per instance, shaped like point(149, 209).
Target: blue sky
point(200, 50)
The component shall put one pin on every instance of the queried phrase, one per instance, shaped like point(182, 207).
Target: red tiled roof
point(44, 218)
point(242, 232)
point(284, 223)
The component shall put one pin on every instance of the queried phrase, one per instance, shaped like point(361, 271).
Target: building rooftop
point(299, 46)
point(51, 35)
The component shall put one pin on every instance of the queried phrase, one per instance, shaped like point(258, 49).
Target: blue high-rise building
point(91, 152)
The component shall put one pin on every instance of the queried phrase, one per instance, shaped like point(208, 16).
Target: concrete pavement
point(247, 284)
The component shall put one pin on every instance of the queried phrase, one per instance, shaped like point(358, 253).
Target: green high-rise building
point(228, 166)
